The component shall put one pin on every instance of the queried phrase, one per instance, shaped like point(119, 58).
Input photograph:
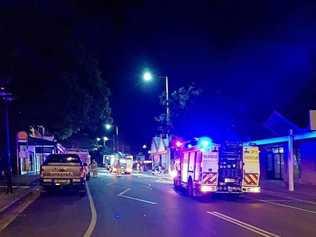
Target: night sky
point(249, 58)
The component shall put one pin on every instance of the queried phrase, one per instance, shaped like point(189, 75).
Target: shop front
point(32, 152)
point(274, 158)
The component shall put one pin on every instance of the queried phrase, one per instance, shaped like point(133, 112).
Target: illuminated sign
point(22, 136)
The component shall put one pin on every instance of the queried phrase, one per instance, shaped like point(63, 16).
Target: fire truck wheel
point(190, 188)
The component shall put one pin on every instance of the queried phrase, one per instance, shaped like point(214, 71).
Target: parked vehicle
point(227, 168)
point(61, 170)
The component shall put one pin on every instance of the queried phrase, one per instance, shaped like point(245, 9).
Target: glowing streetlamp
point(108, 126)
point(105, 139)
point(148, 76)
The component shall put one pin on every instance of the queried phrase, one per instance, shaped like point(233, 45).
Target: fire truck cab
point(225, 168)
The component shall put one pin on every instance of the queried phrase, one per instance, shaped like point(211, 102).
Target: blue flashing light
point(205, 143)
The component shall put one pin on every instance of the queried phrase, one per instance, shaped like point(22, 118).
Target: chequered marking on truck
point(251, 178)
point(209, 178)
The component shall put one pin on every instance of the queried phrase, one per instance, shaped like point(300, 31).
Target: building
point(274, 158)
point(33, 150)
point(160, 152)
point(274, 151)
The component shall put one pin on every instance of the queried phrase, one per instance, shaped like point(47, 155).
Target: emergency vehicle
point(126, 163)
point(121, 164)
point(213, 168)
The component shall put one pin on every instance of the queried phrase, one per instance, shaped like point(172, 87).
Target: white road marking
point(288, 206)
point(275, 200)
point(244, 225)
point(138, 199)
point(125, 191)
point(109, 184)
point(122, 194)
point(93, 220)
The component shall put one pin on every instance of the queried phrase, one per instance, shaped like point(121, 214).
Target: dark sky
point(249, 57)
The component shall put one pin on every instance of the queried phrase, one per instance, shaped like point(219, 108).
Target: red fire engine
point(212, 168)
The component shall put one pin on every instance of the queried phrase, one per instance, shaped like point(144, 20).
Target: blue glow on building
point(274, 140)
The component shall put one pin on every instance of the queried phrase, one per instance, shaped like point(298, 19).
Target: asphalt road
point(144, 206)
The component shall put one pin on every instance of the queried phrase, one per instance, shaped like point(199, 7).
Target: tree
point(87, 106)
point(179, 100)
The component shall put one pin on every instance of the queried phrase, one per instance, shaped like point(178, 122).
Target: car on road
point(63, 170)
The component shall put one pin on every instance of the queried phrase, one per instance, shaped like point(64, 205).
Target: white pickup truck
point(61, 170)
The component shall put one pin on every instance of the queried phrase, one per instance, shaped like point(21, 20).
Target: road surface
point(137, 205)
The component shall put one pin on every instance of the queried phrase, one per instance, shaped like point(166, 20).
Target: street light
point(148, 76)
point(108, 126)
point(105, 139)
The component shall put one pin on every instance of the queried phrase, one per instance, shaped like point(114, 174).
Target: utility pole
point(117, 138)
point(167, 122)
point(7, 98)
point(291, 160)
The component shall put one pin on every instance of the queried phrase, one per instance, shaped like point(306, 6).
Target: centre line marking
point(93, 220)
point(122, 194)
point(288, 206)
point(243, 224)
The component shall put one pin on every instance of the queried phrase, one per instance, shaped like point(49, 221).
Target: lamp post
point(109, 126)
point(147, 77)
point(7, 97)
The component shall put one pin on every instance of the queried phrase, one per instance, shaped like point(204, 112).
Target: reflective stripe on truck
point(209, 178)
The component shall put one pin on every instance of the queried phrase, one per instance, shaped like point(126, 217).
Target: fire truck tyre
point(190, 190)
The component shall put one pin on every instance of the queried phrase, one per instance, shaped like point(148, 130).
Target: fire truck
point(121, 164)
point(217, 168)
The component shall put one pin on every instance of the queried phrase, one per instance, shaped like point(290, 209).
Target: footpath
point(278, 188)
point(23, 185)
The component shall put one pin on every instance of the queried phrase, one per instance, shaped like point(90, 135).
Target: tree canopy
point(179, 100)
